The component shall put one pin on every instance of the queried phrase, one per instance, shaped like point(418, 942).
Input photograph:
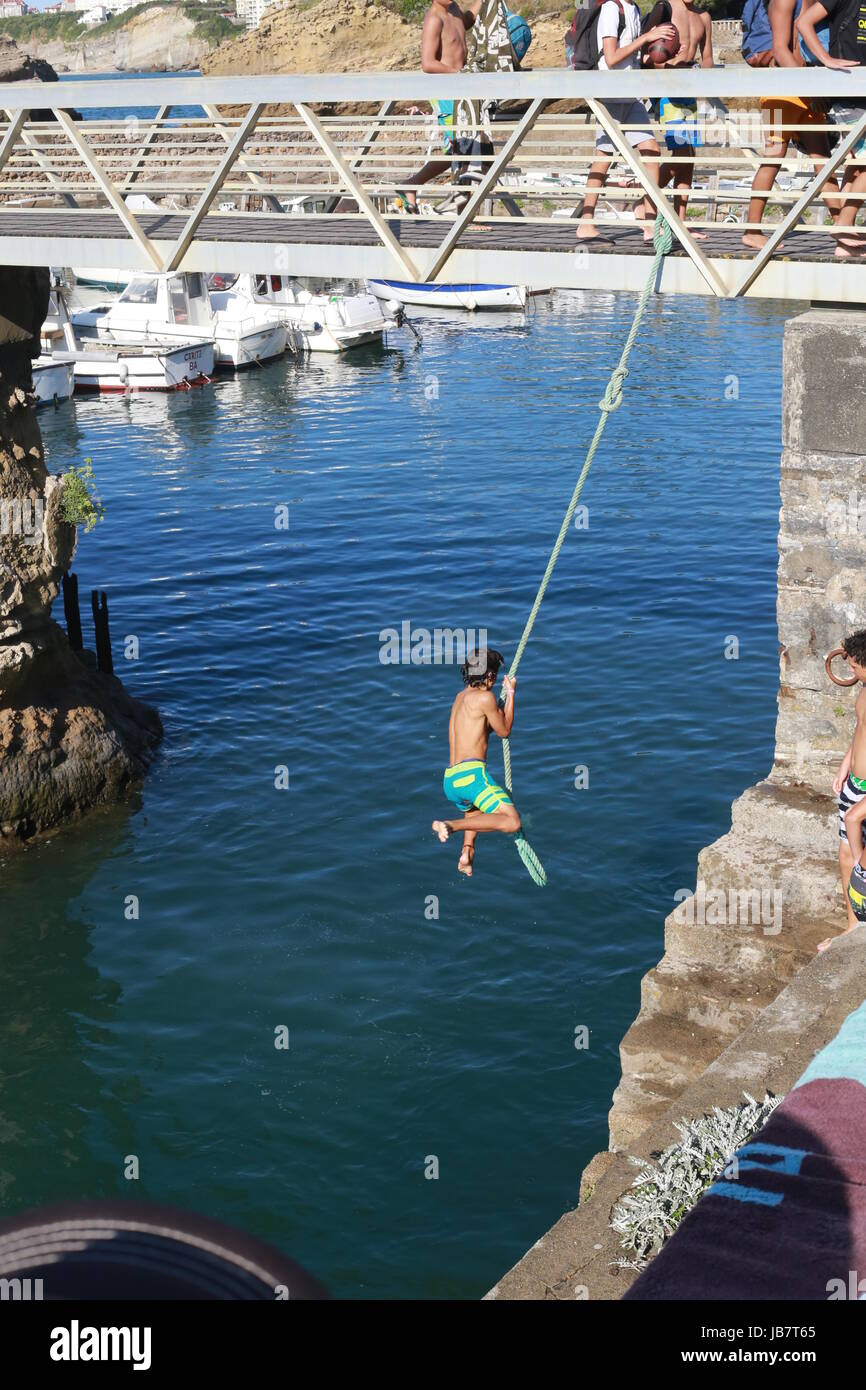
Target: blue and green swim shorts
point(469, 784)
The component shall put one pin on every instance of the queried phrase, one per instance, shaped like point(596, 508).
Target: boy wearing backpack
point(609, 38)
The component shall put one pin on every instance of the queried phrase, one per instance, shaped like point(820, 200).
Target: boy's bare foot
point(828, 940)
point(850, 248)
point(587, 231)
point(464, 863)
point(756, 241)
point(442, 829)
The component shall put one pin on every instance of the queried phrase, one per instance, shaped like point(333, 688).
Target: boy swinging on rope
point(484, 804)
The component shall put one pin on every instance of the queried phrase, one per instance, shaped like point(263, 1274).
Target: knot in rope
point(663, 237)
point(612, 398)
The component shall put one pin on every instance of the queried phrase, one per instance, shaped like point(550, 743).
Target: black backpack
point(581, 41)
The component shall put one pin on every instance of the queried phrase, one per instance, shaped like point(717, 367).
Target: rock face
point(769, 889)
point(70, 737)
point(161, 39)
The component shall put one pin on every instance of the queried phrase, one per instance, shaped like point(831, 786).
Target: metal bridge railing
point(520, 146)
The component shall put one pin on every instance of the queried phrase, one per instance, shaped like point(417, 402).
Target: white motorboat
point(451, 296)
point(160, 309)
point(315, 322)
point(103, 366)
point(98, 365)
point(53, 381)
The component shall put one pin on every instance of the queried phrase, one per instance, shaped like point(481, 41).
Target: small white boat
point(100, 366)
point(452, 296)
point(315, 322)
point(53, 381)
point(97, 365)
point(159, 308)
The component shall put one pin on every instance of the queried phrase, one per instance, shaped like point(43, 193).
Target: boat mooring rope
point(610, 401)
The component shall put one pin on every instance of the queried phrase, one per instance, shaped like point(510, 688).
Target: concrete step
point(793, 816)
point(746, 953)
point(772, 884)
point(722, 1001)
point(660, 1057)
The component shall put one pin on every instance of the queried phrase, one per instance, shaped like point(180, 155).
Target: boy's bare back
point(472, 715)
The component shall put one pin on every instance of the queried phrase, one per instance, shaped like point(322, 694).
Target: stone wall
point(736, 1003)
point(721, 966)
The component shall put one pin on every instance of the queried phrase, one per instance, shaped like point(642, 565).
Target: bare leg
point(586, 231)
point(846, 864)
point(853, 243)
point(763, 181)
point(467, 854)
point(646, 209)
point(681, 175)
point(433, 169)
point(507, 821)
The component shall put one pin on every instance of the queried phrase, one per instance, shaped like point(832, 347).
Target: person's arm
point(807, 21)
point(707, 42)
point(842, 775)
point(500, 720)
point(613, 56)
point(431, 44)
point(781, 16)
point(470, 15)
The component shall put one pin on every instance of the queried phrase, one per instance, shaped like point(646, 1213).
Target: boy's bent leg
point(506, 821)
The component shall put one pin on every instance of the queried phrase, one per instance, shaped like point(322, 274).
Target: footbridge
point(303, 174)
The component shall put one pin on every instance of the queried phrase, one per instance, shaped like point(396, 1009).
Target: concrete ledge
point(576, 1258)
point(824, 370)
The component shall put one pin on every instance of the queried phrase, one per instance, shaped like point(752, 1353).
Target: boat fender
point(124, 372)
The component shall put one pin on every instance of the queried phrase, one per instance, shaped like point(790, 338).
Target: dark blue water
point(179, 114)
point(424, 486)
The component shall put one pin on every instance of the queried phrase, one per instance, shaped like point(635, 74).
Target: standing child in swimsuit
point(484, 805)
point(850, 787)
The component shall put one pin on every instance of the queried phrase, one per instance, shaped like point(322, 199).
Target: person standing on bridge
point(847, 49)
point(620, 42)
point(782, 117)
point(443, 49)
point(679, 119)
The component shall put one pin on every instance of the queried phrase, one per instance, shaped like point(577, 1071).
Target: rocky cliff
point(70, 736)
point(768, 890)
point(161, 39)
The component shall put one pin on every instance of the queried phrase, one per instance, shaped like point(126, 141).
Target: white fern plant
point(661, 1195)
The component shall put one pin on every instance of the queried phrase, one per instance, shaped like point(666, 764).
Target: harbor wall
point(740, 957)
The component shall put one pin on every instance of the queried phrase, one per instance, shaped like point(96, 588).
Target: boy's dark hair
point(479, 665)
point(855, 647)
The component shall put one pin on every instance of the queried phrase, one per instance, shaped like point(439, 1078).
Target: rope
point(610, 401)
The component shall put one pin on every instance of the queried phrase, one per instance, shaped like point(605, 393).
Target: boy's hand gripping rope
point(611, 400)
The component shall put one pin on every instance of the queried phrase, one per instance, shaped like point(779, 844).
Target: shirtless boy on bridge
point(443, 49)
point(484, 804)
point(850, 787)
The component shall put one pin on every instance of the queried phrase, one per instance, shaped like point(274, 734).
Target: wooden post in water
point(103, 636)
point(72, 612)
